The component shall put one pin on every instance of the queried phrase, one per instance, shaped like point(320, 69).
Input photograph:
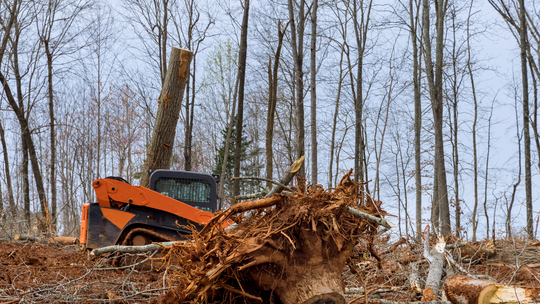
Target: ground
point(40, 273)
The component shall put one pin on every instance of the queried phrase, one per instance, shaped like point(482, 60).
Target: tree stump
point(466, 290)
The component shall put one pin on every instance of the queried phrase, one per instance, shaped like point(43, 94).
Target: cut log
point(63, 240)
point(66, 240)
point(30, 238)
point(465, 290)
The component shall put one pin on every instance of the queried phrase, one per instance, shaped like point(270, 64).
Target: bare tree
point(241, 83)
point(297, 45)
point(360, 8)
point(16, 103)
point(526, 119)
point(11, 16)
point(55, 25)
point(153, 16)
point(190, 36)
point(313, 87)
point(434, 73)
point(521, 28)
point(475, 122)
point(414, 13)
point(272, 101)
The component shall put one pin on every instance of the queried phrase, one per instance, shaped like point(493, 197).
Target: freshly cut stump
point(465, 290)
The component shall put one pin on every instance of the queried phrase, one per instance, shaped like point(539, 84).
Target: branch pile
point(292, 250)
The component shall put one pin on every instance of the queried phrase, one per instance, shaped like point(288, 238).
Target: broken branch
point(370, 218)
point(131, 249)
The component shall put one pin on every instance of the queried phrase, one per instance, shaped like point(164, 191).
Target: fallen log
point(466, 290)
point(435, 257)
point(131, 249)
point(62, 240)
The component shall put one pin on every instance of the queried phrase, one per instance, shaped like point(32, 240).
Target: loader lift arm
point(112, 192)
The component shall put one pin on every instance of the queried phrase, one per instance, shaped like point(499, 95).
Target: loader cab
point(196, 189)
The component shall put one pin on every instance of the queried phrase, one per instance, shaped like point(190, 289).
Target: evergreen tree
point(247, 168)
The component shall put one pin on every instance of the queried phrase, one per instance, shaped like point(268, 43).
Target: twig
point(129, 266)
point(451, 260)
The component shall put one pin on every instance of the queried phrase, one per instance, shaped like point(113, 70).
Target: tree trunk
point(272, 102)
point(455, 127)
point(434, 76)
point(228, 140)
point(475, 120)
point(435, 256)
point(417, 119)
point(51, 126)
point(526, 135)
point(188, 124)
point(313, 87)
point(241, 83)
point(298, 57)
point(25, 183)
point(11, 199)
point(23, 123)
point(360, 29)
point(336, 113)
point(170, 102)
point(466, 290)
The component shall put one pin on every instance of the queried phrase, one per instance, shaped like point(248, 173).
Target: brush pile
point(291, 249)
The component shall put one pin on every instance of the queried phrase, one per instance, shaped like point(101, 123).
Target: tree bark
point(417, 118)
point(313, 87)
point(475, 156)
point(170, 102)
point(241, 83)
point(526, 135)
point(297, 45)
point(435, 257)
point(286, 179)
point(336, 113)
point(11, 199)
point(228, 140)
point(51, 126)
point(465, 290)
point(272, 102)
point(188, 125)
point(131, 249)
point(434, 76)
point(360, 29)
point(23, 121)
point(455, 127)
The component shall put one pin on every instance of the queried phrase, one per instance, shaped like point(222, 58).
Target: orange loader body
point(122, 208)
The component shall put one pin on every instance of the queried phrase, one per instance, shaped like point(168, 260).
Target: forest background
point(433, 102)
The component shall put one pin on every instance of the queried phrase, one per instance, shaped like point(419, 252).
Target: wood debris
point(292, 250)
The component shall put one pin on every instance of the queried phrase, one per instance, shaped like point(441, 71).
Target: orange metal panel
point(121, 192)
point(84, 223)
point(117, 217)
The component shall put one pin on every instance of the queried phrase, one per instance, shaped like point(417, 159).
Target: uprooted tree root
point(292, 250)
